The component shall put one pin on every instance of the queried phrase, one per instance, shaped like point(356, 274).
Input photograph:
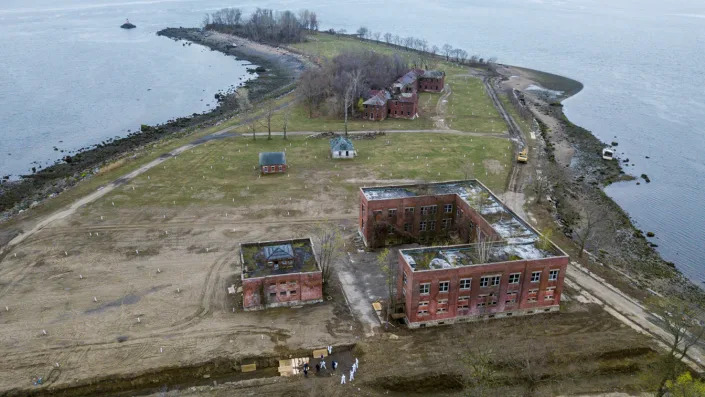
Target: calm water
point(70, 77)
point(641, 62)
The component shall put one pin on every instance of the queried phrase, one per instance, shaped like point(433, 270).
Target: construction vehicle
point(523, 156)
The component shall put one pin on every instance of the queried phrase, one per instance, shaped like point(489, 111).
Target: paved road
point(595, 289)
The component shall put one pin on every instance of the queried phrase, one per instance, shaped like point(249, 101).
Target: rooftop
point(277, 257)
point(409, 77)
point(434, 74)
point(518, 239)
point(272, 158)
point(378, 98)
point(341, 143)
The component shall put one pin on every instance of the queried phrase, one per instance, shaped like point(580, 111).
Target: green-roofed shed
point(272, 162)
point(342, 148)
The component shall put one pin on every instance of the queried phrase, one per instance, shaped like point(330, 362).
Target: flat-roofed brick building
point(506, 269)
point(280, 273)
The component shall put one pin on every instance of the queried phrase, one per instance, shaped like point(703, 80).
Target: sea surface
point(68, 74)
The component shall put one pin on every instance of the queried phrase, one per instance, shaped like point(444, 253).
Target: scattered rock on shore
point(645, 178)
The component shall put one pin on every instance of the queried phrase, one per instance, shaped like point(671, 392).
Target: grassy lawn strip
point(524, 124)
point(299, 120)
point(218, 172)
point(469, 107)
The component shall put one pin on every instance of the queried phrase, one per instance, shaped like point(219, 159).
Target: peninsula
point(153, 257)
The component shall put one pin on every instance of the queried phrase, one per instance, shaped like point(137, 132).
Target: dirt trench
point(212, 372)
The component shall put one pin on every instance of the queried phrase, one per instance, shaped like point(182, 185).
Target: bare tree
point(285, 119)
point(586, 232)
point(328, 244)
point(540, 188)
point(363, 32)
point(467, 166)
point(680, 320)
point(385, 260)
point(388, 38)
point(530, 363)
point(268, 114)
point(484, 246)
point(311, 89)
point(480, 363)
point(246, 110)
point(447, 51)
point(434, 50)
point(376, 36)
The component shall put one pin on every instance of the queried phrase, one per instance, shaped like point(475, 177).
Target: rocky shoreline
point(571, 157)
point(276, 73)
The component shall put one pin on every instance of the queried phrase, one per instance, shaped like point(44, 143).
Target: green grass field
point(468, 109)
point(299, 120)
point(223, 172)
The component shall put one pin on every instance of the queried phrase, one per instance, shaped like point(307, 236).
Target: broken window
point(448, 208)
point(443, 286)
point(533, 295)
point(424, 288)
point(465, 283)
point(511, 298)
point(391, 212)
point(549, 294)
point(490, 281)
point(553, 275)
point(514, 278)
point(446, 223)
point(409, 210)
point(432, 225)
point(535, 276)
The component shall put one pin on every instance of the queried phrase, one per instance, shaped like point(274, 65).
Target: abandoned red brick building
point(402, 100)
point(272, 162)
point(506, 269)
point(280, 273)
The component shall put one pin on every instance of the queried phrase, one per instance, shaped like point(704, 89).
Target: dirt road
point(627, 310)
point(592, 287)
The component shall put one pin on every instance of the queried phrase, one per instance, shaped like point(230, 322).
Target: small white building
point(342, 148)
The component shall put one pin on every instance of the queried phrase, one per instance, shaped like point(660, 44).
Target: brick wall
point(378, 212)
point(375, 112)
point(402, 109)
point(431, 84)
point(276, 170)
point(409, 292)
point(282, 290)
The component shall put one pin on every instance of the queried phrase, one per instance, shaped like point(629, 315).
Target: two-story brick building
point(401, 100)
point(505, 267)
point(280, 273)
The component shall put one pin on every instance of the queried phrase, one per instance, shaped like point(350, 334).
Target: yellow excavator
point(523, 156)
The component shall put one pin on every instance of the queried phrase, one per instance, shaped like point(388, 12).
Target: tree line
point(263, 25)
point(458, 55)
point(341, 82)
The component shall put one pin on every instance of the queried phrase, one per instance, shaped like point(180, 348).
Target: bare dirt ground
point(439, 120)
point(146, 292)
point(124, 291)
point(587, 351)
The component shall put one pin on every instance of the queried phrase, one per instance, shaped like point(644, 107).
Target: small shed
point(342, 148)
point(272, 162)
